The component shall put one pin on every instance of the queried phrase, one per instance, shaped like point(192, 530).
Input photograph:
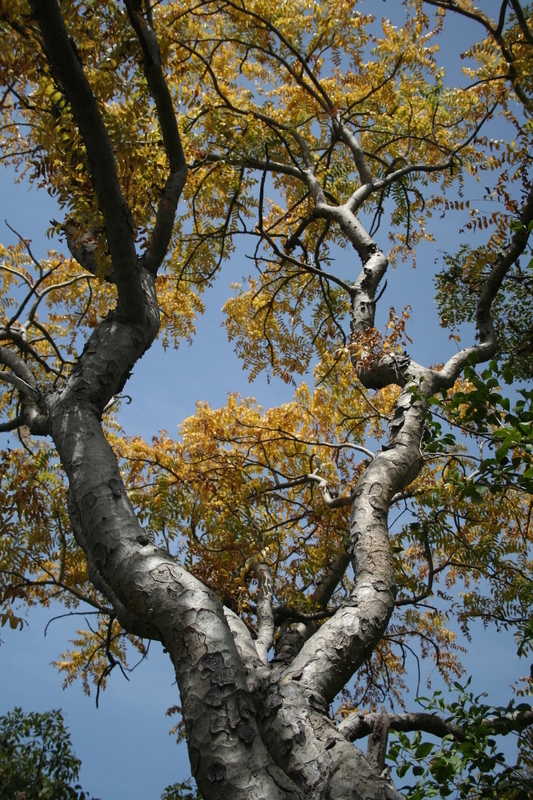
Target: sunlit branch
point(18, 338)
point(356, 725)
point(18, 274)
point(353, 144)
point(304, 267)
point(18, 383)
point(256, 163)
point(243, 640)
point(312, 477)
point(265, 616)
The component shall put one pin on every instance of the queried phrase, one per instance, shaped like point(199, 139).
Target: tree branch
point(377, 741)
point(256, 163)
point(491, 285)
point(175, 182)
point(155, 597)
point(12, 425)
point(323, 486)
point(243, 641)
point(346, 135)
point(24, 380)
point(119, 224)
point(524, 27)
point(18, 383)
point(265, 617)
point(497, 36)
point(357, 725)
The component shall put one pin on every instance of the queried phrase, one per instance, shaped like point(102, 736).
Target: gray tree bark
point(255, 730)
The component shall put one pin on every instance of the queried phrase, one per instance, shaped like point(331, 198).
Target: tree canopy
point(36, 758)
point(287, 558)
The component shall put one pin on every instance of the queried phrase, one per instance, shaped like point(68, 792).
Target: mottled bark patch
point(166, 573)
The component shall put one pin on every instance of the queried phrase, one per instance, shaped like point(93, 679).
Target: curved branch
point(318, 93)
point(485, 328)
point(256, 163)
point(323, 487)
point(357, 725)
point(497, 36)
point(156, 598)
point(329, 658)
point(175, 182)
point(119, 224)
point(349, 139)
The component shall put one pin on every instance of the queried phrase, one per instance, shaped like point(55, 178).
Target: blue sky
point(124, 744)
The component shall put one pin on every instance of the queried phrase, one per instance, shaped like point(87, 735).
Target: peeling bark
point(255, 730)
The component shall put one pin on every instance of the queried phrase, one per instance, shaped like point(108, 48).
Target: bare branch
point(175, 182)
point(357, 725)
point(323, 486)
point(23, 379)
point(487, 347)
point(102, 165)
point(12, 425)
point(256, 163)
point(265, 617)
point(352, 142)
point(18, 383)
point(524, 27)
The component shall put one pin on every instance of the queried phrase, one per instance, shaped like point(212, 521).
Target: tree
point(303, 128)
point(36, 758)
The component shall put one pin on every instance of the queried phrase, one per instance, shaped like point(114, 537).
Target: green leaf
point(424, 749)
